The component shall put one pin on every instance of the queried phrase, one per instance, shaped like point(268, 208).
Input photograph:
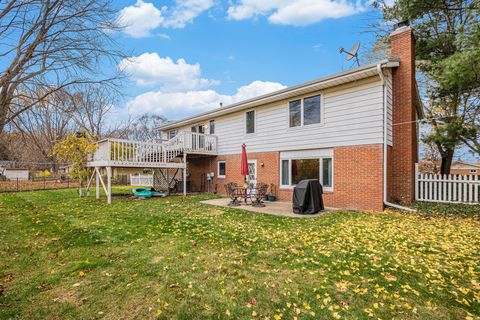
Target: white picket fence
point(141, 180)
point(447, 188)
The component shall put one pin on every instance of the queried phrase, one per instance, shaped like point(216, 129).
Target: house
point(463, 168)
point(337, 129)
point(16, 174)
point(355, 131)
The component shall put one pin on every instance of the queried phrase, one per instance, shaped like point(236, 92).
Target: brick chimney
point(404, 152)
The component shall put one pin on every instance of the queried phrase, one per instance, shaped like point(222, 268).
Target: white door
point(252, 172)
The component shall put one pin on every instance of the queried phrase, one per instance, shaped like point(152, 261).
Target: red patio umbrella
point(244, 162)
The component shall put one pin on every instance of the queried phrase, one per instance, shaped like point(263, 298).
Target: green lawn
point(62, 257)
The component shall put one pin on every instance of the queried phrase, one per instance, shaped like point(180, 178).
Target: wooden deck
point(140, 154)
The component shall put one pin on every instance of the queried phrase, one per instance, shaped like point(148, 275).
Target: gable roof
point(333, 80)
point(467, 164)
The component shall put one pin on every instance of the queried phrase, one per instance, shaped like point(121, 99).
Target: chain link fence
point(31, 176)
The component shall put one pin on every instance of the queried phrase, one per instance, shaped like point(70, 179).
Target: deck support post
point(89, 184)
point(185, 174)
point(97, 184)
point(109, 185)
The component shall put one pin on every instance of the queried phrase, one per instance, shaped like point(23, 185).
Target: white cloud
point(294, 12)
point(140, 19)
point(150, 69)
point(143, 17)
point(164, 36)
point(180, 104)
point(185, 11)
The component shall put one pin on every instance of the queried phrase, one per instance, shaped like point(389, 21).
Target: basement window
point(294, 170)
point(222, 169)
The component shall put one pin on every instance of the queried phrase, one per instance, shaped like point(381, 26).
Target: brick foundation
point(358, 175)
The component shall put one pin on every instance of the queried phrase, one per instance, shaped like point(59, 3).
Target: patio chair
point(231, 191)
point(260, 192)
point(250, 193)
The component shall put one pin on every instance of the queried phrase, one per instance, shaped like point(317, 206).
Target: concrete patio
point(276, 208)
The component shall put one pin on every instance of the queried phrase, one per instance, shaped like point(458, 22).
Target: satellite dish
point(352, 53)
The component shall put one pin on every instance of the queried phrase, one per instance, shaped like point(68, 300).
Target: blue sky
point(189, 55)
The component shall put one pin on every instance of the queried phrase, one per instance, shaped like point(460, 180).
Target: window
point(284, 174)
point(198, 128)
point(250, 121)
point(302, 169)
point(172, 133)
point(295, 112)
point(311, 110)
point(473, 170)
point(211, 126)
point(294, 170)
point(327, 172)
point(222, 169)
point(304, 112)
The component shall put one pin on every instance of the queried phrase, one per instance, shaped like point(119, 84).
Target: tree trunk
point(447, 158)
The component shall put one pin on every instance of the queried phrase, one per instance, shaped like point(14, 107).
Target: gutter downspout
point(385, 202)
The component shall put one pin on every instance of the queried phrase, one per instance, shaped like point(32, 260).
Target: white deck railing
point(127, 152)
point(141, 180)
point(447, 188)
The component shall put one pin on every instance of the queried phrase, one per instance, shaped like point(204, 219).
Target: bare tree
point(145, 127)
point(45, 125)
point(92, 103)
point(47, 45)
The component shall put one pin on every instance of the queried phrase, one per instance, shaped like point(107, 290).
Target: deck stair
point(163, 155)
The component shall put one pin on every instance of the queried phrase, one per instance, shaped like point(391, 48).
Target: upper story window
point(305, 111)
point(250, 121)
point(172, 133)
point(295, 113)
point(473, 170)
point(211, 126)
point(198, 128)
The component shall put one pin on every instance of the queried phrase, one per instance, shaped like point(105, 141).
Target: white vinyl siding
point(351, 114)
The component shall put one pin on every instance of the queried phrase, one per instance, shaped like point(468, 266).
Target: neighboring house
point(14, 174)
point(355, 131)
point(66, 169)
point(461, 167)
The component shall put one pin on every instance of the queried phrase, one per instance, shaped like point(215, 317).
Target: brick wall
point(268, 173)
point(197, 168)
point(464, 171)
point(358, 179)
point(404, 151)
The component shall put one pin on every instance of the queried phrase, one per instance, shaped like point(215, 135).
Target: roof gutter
point(385, 127)
point(286, 93)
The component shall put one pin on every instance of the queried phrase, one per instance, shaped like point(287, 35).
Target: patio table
point(240, 193)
